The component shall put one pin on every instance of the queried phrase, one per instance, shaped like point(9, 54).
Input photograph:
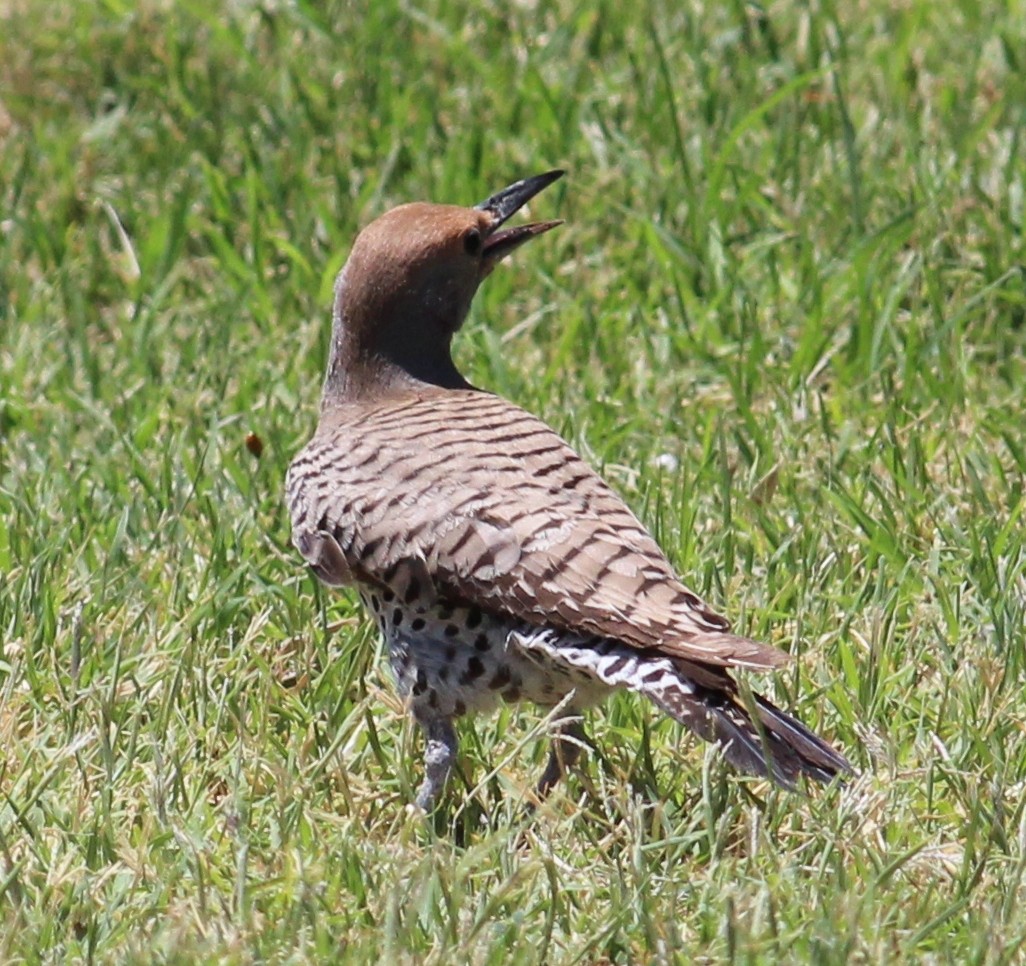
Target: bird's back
point(494, 508)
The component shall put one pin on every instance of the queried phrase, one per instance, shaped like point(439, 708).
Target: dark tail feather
point(777, 746)
point(813, 756)
point(704, 698)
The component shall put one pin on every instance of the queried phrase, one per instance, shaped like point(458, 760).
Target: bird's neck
point(399, 353)
point(354, 375)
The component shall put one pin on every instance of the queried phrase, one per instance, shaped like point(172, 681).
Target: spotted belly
point(450, 661)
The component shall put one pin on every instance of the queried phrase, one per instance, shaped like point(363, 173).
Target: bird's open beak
point(503, 204)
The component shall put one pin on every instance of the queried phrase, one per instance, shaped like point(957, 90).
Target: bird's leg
point(439, 757)
point(566, 749)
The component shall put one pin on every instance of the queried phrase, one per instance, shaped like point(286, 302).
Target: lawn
point(786, 318)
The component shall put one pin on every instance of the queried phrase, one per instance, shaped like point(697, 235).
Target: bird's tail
point(772, 744)
point(705, 699)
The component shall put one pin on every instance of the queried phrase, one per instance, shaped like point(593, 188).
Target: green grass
point(793, 261)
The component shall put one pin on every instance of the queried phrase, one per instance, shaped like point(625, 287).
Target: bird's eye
point(472, 242)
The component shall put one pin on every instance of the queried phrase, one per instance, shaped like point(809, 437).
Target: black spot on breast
point(444, 613)
point(451, 630)
point(482, 643)
point(421, 684)
point(474, 617)
point(459, 708)
point(397, 617)
point(418, 624)
point(388, 596)
point(475, 668)
point(500, 679)
point(412, 590)
point(511, 695)
point(375, 603)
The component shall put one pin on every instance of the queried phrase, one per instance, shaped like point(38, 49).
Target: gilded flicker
point(498, 565)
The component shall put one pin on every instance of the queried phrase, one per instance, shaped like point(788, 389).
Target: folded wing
point(490, 505)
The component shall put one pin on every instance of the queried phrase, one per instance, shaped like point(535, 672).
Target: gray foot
point(439, 757)
point(566, 749)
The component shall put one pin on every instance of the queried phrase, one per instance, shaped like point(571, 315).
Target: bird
point(498, 565)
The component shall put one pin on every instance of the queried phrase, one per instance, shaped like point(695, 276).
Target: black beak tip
point(512, 198)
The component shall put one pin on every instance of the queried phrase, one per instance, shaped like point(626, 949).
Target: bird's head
point(408, 283)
